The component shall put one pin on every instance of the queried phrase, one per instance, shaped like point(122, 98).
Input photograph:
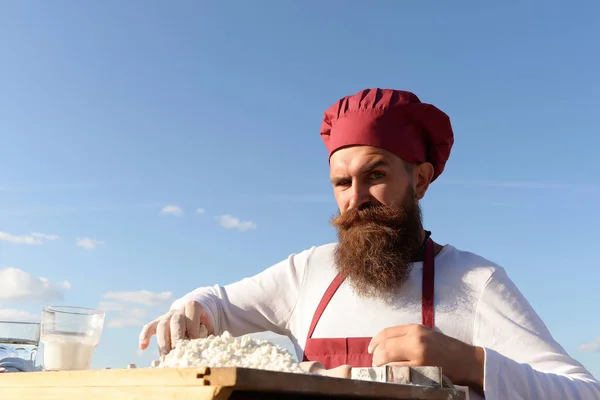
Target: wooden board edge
point(225, 379)
point(249, 380)
point(108, 378)
point(117, 393)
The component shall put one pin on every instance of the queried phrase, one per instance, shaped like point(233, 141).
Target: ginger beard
point(377, 245)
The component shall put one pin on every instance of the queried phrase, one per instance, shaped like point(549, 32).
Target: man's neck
point(436, 247)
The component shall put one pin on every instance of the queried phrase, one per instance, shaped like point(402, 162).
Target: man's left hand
point(417, 345)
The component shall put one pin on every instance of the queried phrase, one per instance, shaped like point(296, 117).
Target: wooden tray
point(202, 384)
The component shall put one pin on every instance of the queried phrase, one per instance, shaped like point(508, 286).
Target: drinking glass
point(70, 335)
point(19, 339)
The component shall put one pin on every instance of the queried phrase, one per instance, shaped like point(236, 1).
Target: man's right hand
point(186, 323)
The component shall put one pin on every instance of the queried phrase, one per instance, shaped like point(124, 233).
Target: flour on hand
point(229, 351)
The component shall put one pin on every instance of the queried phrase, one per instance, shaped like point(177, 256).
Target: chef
point(386, 292)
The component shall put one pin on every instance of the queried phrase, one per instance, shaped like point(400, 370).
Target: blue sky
point(111, 111)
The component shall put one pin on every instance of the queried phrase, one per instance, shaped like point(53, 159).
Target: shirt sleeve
point(522, 359)
point(263, 302)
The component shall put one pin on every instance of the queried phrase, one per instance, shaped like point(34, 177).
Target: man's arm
point(263, 302)
point(522, 360)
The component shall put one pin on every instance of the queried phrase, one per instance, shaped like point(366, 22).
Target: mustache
point(374, 214)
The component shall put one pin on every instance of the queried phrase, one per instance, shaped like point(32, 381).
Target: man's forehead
point(358, 157)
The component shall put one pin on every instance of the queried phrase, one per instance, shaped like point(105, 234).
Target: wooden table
point(202, 384)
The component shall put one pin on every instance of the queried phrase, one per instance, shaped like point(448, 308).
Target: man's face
point(379, 226)
point(363, 175)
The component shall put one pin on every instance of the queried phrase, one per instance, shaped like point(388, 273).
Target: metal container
point(420, 376)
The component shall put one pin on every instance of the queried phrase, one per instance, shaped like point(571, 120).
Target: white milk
point(64, 352)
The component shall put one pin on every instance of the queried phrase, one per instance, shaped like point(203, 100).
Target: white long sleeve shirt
point(475, 302)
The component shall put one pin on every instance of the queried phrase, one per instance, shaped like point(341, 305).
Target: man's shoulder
point(474, 268)
point(450, 257)
point(316, 257)
point(324, 250)
point(451, 261)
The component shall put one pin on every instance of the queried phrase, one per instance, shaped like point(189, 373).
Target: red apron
point(333, 352)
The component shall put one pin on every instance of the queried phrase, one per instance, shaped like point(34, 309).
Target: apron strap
point(427, 308)
point(333, 287)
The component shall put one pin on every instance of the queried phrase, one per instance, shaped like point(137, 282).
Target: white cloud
point(36, 238)
point(591, 347)
point(124, 316)
point(200, 210)
point(145, 297)
point(45, 236)
point(8, 237)
point(20, 285)
point(129, 318)
point(8, 314)
point(88, 243)
point(230, 222)
point(110, 306)
point(172, 210)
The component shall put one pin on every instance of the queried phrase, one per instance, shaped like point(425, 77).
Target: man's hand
point(189, 322)
point(417, 345)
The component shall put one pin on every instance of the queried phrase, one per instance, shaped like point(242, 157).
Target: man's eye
point(377, 175)
point(342, 183)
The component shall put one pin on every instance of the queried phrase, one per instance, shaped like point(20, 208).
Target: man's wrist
point(476, 373)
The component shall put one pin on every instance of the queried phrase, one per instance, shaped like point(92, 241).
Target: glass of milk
point(19, 339)
point(69, 336)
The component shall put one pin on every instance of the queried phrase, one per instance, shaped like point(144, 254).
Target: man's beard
point(377, 245)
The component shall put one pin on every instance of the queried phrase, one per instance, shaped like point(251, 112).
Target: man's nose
point(360, 197)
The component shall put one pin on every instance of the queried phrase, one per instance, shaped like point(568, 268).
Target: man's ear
point(422, 176)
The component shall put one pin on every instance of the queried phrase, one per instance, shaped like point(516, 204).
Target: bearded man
point(386, 293)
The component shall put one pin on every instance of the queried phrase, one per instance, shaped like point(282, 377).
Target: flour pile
point(229, 351)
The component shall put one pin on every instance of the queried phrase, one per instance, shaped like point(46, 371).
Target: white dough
point(229, 351)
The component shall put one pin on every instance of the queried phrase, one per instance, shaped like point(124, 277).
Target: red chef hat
point(393, 120)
